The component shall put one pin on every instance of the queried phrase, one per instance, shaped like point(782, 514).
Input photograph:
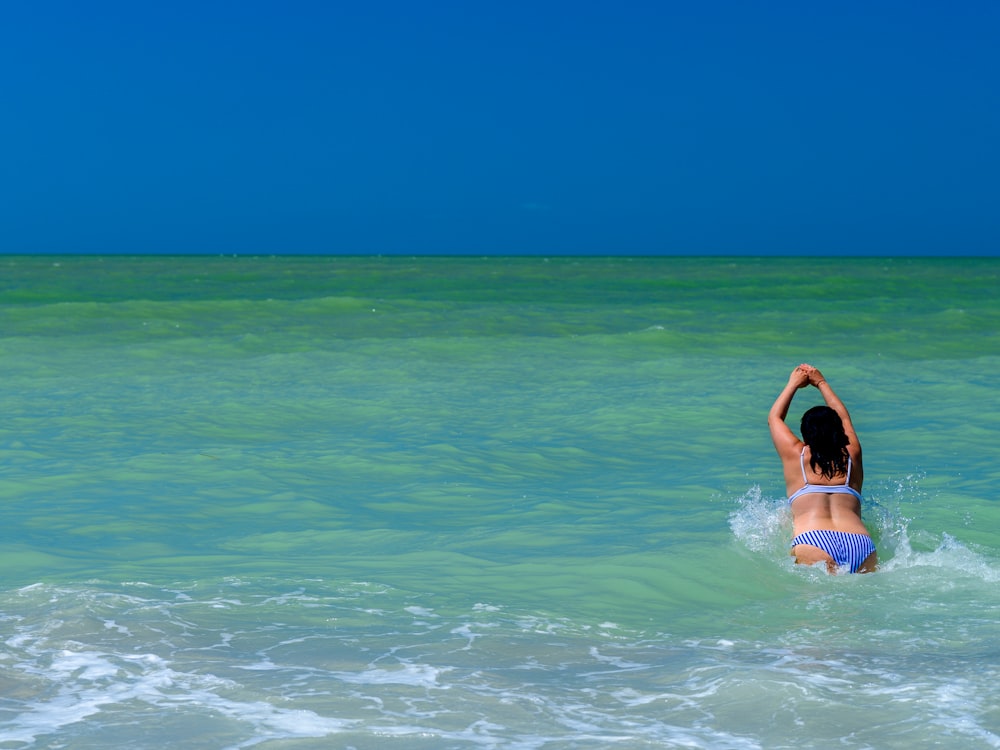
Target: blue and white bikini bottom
point(845, 548)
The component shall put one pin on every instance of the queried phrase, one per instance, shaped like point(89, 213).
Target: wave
point(237, 663)
point(763, 526)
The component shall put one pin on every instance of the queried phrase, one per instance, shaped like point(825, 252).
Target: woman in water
point(823, 476)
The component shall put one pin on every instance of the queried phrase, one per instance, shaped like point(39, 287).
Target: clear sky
point(500, 127)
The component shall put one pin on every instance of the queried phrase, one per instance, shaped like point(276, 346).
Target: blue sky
point(500, 127)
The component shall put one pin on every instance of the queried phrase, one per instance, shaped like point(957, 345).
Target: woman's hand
point(813, 374)
point(799, 377)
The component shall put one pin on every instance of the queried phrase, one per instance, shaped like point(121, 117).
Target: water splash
point(761, 523)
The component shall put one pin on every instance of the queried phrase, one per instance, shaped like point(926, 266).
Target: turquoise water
point(488, 503)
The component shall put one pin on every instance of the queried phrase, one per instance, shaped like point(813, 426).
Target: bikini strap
point(802, 463)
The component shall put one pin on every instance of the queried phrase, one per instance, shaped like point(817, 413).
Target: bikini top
point(827, 489)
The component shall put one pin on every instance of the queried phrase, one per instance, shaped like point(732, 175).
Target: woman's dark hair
point(823, 432)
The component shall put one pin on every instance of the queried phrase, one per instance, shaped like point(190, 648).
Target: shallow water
point(487, 502)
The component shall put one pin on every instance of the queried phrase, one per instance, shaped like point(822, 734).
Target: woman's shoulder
point(790, 448)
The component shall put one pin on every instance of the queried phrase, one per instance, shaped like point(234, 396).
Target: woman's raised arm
point(782, 436)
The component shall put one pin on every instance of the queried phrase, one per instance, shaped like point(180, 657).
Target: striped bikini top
point(827, 489)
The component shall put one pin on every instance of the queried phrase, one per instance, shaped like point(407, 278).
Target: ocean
point(294, 503)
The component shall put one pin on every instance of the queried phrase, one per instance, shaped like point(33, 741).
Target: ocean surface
point(527, 503)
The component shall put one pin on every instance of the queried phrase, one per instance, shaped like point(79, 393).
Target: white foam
point(520, 682)
point(420, 611)
point(762, 524)
point(112, 625)
point(91, 682)
point(615, 661)
point(950, 555)
point(83, 665)
point(415, 675)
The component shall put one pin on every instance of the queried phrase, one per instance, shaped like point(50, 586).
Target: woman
point(823, 476)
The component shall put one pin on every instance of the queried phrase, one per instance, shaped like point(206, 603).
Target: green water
point(578, 444)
